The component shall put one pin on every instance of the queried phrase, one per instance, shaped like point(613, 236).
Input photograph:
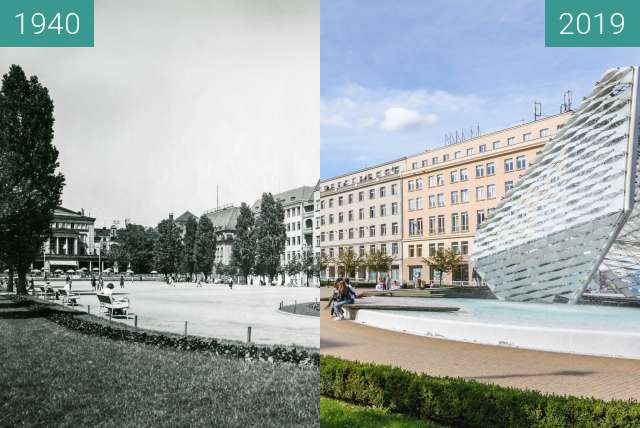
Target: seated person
point(394, 285)
point(379, 286)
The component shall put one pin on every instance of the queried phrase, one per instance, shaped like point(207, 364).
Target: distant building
point(181, 221)
point(224, 221)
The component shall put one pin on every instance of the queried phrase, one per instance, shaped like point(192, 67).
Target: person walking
point(121, 281)
point(93, 282)
point(230, 283)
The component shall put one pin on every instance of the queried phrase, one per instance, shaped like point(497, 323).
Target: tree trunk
point(10, 281)
point(22, 281)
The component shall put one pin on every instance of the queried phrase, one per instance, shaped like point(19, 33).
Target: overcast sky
point(397, 75)
point(179, 96)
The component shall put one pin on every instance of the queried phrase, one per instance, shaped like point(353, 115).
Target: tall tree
point(348, 261)
point(243, 251)
point(443, 261)
point(205, 246)
point(378, 262)
point(271, 236)
point(30, 186)
point(189, 240)
point(168, 248)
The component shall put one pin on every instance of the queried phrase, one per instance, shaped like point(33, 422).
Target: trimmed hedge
point(461, 403)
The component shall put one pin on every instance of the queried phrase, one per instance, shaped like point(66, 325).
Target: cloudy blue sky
point(396, 76)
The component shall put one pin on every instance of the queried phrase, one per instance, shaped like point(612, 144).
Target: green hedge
point(462, 403)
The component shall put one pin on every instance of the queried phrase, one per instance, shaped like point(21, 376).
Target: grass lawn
point(51, 376)
point(337, 414)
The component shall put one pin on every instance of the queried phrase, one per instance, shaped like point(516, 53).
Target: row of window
point(291, 212)
point(459, 222)
point(363, 178)
point(360, 251)
point(482, 148)
point(362, 232)
point(381, 210)
point(381, 192)
point(457, 197)
point(460, 248)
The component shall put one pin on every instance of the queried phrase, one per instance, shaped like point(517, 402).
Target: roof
point(293, 196)
point(224, 218)
point(62, 212)
point(185, 217)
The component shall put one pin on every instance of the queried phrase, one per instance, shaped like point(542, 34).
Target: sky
point(178, 97)
point(396, 76)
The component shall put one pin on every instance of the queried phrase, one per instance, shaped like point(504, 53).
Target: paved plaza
point(549, 372)
point(214, 310)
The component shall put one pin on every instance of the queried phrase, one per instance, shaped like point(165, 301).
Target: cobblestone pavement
point(563, 374)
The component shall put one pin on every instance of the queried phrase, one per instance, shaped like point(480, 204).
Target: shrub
point(458, 402)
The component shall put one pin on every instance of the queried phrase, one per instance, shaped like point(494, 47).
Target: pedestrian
point(121, 281)
point(32, 285)
point(230, 283)
point(100, 283)
point(93, 282)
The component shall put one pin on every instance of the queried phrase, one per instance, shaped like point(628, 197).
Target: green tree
point(443, 261)
point(189, 241)
point(348, 261)
point(293, 268)
point(309, 266)
point(134, 249)
point(168, 247)
point(30, 186)
point(378, 262)
point(271, 236)
point(243, 251)
point(205, 246)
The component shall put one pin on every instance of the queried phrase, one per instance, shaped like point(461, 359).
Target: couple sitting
point(343, 294)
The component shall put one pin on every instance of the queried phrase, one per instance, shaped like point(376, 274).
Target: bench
point(70, 299)
point(352, 309)
point(47, 292)
point(111, 305)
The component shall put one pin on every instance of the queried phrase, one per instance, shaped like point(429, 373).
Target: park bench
point(47, 292)
point(111, 304)
point(352, 309)
point(70, 299)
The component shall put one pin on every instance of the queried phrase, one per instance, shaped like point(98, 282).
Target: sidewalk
point(563, 374)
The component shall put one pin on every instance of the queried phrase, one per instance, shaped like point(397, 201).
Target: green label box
point(592, 23)
point(46, 23)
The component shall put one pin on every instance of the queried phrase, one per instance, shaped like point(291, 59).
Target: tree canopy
point(243, 251)
point(205, 246)
point(271, 236)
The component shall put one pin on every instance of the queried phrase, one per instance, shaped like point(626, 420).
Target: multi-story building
point(363, 210)
point(448, 192)
point(224, 221)
point(298, 205)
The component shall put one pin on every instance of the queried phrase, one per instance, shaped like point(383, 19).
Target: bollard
point(185, 328)
point(88, 309)
point(135, 321)
point(249, 334)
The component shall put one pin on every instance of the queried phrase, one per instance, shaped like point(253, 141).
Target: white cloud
point(400, 118)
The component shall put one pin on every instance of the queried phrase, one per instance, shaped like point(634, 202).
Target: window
point(360, 196)
point(340, 235)
point(521, 162)
point(464, 248)
point(330, 218)
point(394, 228)
point(424, 163)
point(418, 250)
point(340, 217)
point(464, 196)
point(419, 203)
point(495, 145)
point(419, 185)
point(455, 247)
point(441, 199)
point(508, 185)
point(372, 212)
point(340, 201)
point(445, 158)
point(372, 193)
point(455, 223)
point(331, 236)
point(372, 248)
point(432, 225)
point(361, 232)
point(432, 181)
point(331, 203)
point(434, 161)
point(480, 196)
point(526, 137)
point(394, 189)
point(412, 251)
point(383, 248)
point(432, 250)
point(440, 179)
point(456, 155)
point(394, 249)
point(441, 223)
point(350, 198)
point(464, 221)
point(544, 132)
point(383, 210)
point(322, 220)
point(412, 205)
point(464, 174)
point(322, 236)
point(383, 191)
point(351, 233)
point(432, 201)
point(454, 176)
point(491, 168)
point(482, 148)
point(350, 215)
point(321, 205)
point(479, 217)
point(383, 230)
point(414, 165)
point(491, 191)
point(411, 185)
point(479, 171)
point(372, 231)
point(454, 198)
point(508, 165)
point(361, 214)
point(394, 208)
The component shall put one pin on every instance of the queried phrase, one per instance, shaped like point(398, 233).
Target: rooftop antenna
point(567, 99)
point(537, 110)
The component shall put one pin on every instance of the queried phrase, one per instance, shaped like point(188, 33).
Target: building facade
point(224, 221)
point(363, 210)
point(448, 192)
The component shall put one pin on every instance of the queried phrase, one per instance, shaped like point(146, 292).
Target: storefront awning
point(63, 262)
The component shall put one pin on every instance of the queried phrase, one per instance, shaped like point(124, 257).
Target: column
point(90, 266)
point(75, 246)
point(57, 245)
point(66, 245)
